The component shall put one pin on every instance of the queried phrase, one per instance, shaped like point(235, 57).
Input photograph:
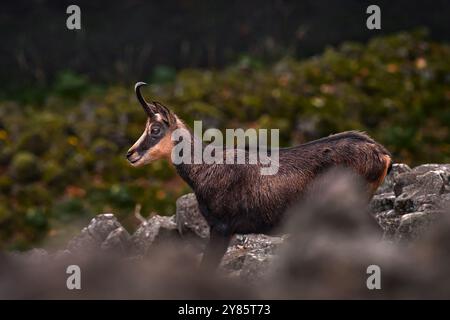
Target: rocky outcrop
point(155, 230)
point(329, 243)
point(247, 256)
point(188, 218)
point(411, 199)
point(103, 232)
point(405, 206)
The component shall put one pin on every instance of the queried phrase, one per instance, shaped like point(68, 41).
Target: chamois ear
point(167, 116)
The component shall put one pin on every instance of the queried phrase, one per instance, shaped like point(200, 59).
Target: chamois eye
point(155, 131)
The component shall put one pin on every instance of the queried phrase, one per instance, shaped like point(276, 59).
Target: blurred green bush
point(63, 161)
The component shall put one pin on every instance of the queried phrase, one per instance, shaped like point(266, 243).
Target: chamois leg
point(215, 250)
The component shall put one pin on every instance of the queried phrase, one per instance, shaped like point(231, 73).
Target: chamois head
point(155, 143)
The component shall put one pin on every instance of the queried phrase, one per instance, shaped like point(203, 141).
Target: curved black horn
point(145, 105)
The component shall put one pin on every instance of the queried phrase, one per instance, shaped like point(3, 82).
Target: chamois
point(236, 198)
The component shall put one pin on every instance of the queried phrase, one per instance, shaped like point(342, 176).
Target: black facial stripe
point(148, 143)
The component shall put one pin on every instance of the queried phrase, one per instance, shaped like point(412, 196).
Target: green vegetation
point(62, 160)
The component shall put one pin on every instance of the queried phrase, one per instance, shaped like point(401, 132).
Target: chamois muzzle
point(133, 156)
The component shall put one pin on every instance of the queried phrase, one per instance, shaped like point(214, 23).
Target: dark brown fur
point(245, 201)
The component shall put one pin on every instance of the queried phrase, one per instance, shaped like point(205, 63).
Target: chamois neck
point(189, 171)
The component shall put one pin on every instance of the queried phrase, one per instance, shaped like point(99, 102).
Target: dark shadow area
point(122, 41)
